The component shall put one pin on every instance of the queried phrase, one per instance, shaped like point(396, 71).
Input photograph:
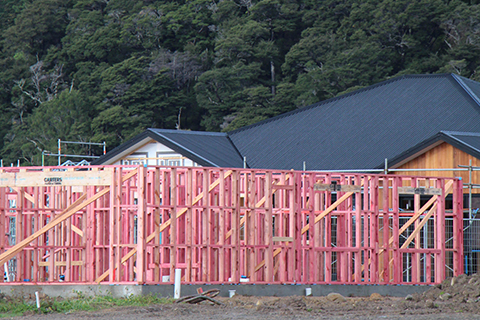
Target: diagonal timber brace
point(78, 205)
point(333, 206)
point(259, 204)
point(415, 217)
point(318, 218)
point(448, 189)
point(164, 225)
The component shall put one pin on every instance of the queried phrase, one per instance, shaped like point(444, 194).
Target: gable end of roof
point(427, 144)
point(181, 149)
point(117, 150)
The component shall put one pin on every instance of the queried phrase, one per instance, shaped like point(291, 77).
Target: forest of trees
point(105, 70)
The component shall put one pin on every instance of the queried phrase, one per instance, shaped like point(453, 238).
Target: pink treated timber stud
point(135, 224)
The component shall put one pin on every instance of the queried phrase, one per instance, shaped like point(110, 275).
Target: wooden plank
point(60, 263)
point(26, 195)
point(235, 240)
point(416, 256)
point(386, 231)
point(337, 187)
point(36, 220)
point(283, 239)
point(420, 226)
point(358, 230)
point(55, 178)
point(440, 239)
point(328, 233)
point(51, 235)
point(420, 191)
point(88, 272)
point(221, 229)
point(204, 229)
point(458, 244)
point(113, 248)
point(343, 237)
point(283, 186)
point(250, 225)
point(141, 228)
point(397, 268)
point(77, 230)
point(268, 230)
point(174, 221)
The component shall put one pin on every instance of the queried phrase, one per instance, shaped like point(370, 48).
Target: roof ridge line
point(238, 151)
point(466, 88)
point(181, 131)
point(459, 141)
point(463, 133)
point(349, 94)
point(186, 149)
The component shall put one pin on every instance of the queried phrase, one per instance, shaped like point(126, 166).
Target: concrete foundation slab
point(71, 291)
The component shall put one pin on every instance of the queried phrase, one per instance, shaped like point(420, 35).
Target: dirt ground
point(455, 298)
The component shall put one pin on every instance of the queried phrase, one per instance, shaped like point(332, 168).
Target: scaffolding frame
point(60, 155)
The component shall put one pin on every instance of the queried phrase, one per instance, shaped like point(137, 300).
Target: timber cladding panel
point(443, 156)
point(230, 226)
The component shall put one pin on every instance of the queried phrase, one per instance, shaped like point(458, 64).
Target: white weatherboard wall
point(156, 154)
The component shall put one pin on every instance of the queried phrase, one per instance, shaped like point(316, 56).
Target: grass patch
point(16, 307)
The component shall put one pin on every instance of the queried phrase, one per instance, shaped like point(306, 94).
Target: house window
point(135, 159)
point(165, 158)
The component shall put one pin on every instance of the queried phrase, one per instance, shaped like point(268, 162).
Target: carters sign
point(56, 178)
point(53, 181)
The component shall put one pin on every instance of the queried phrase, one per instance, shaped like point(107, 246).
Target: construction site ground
point(455, 298)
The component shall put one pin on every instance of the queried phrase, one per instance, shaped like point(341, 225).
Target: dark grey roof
point(394, 119)
point(470, 86)
point(466, 141)
point(210, 149)
point(215, 147)
point(360, 129)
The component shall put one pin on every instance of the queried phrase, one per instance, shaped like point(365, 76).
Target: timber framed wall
point(120, 224)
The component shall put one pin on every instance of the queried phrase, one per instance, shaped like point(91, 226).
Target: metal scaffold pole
point(59, 155)
point(59, 152)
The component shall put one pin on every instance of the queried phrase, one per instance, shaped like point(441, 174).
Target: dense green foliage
point(104, 70)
